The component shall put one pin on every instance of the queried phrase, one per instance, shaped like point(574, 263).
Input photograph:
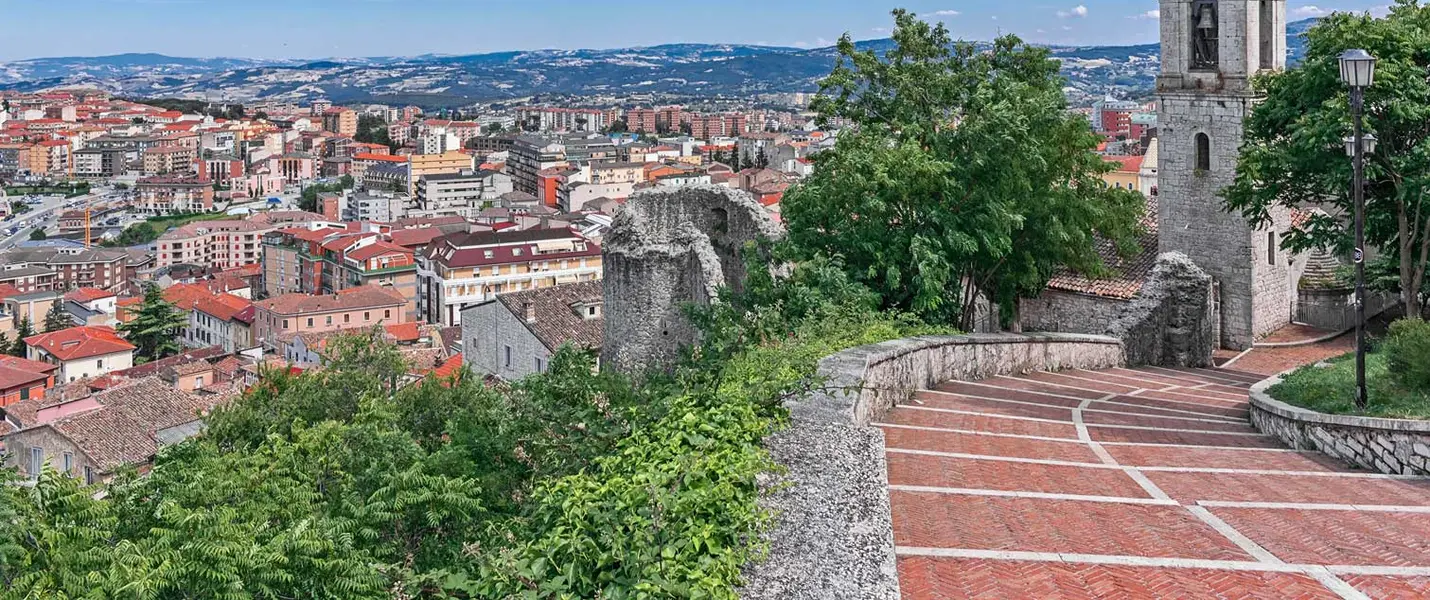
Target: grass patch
point(150, 229)
point(1331, 390)
point(46, 190)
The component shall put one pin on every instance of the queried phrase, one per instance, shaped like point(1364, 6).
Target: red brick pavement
point(1168, 440)
point(1270, 361)
point(948, 579)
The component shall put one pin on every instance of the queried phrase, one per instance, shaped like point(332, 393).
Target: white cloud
point(946, 13)
point(1309, 11)
point(1151, 15)
point(1078, 11)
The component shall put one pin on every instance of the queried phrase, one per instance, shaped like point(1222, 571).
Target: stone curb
point(1390, 446)
point(833, 533)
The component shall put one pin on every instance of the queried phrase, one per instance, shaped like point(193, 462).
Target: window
point(330, 320)
point(1271, 247)
point(367, 316)
point(516, 251)
point(37, 459)
point(540, 365)
point(387, 314)
point(1204, 152)
point(310, 321)
point(199, 381)
point(69, 462)
point(24, 393)
point(99, 363)
point(507, 351)
point(285, 323)
point(88, 475)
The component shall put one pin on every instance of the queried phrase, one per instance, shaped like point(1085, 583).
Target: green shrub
point(1407, 350)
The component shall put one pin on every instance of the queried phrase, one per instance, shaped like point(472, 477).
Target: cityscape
point(1073, 308)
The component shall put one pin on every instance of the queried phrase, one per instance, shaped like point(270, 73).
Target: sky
point(349, 28)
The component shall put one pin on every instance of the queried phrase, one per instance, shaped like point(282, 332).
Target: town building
point(463, 194)
point(219, 244)
point(81, 351)
point(292, 314)
point(168, 195)
point(464, 269)
point(516, 334)
point(63, 268)
point(23, 379)
point(93, 437)
point(342, 121)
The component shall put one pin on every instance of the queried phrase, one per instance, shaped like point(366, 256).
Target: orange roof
point(451, 368)
point(404, 333)
point(7, 290)
point(88, 294)
point(80, 342)
point(185, 295)
point(1126, 164)
point(224, 307)
point(380, 157)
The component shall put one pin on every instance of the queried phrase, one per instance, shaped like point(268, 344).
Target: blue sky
point(327, 28)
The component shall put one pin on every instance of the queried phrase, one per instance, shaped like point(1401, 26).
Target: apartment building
point(293, 314)
point(167, 160)
point(460, 270)
point(463, 194)
point(641, 120)
point(324, 260)
point(342, 121)
point(62, 269)
point(218, 244)
point(81, 352)
point(167, 195)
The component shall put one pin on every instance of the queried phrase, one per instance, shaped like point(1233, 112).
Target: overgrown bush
point(1407, 351)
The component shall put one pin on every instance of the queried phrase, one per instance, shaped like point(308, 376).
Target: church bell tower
point(1210, 51)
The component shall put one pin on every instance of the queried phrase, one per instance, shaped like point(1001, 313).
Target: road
point(42, 215)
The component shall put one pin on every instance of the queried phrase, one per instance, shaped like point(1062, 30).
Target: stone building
point(1210, 51)
point(516, 334)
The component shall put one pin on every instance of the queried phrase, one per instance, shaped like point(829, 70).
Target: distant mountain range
point(438, 80)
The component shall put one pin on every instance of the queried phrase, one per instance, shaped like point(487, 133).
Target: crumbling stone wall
point(668, 247)
point(1171, 322)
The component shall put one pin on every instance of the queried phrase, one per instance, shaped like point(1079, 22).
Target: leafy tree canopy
point(1294, 155)
point(962, 173)
point(156, 326)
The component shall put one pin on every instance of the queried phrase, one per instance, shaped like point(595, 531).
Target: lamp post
point(1358, 72)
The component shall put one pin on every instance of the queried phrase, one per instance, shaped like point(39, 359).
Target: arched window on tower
point(1204, 152)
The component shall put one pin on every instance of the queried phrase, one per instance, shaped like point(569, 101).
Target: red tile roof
point(1126, 164)
point(367, 296)
point(376, 249)
point(224, 307)
point(380, 157)
point(80, 342)
point(87, 294)
point(405, 333)
point(16, 378)
point(449, 369)
point(7, 290)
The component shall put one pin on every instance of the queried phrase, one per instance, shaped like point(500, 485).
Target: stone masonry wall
point(1391, 446)
point(669, 247)
point(1169, 323)
point(1256, 296)
point(833, 535)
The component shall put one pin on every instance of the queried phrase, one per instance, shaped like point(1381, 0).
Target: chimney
point(529, 311)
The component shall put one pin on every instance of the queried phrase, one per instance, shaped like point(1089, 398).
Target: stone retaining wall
point(833, 536)
point(1392, 446)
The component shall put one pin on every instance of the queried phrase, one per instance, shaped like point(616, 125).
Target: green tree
point(57, 319)
point(23, 330)
point(37, 234)
point(962, 175)
point(346, 182)
point(619, 126)
point(261, 116)
point(1293, 154)
point(156, 327)
point(762, 160)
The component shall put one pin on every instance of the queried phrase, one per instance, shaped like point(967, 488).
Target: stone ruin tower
point(1210, 51)
point(668, 247)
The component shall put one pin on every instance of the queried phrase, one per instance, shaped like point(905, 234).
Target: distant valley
point(432, 80)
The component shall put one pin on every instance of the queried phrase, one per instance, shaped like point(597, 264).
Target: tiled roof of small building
point(556, 322)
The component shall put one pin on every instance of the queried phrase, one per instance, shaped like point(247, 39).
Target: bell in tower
point(1204, 35)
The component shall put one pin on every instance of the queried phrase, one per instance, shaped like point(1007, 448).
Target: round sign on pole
point(1359, 256)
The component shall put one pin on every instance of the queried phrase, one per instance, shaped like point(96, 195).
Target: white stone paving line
point(1142, 384)
point(1108, 462)
point(1378, 508)
point(1201, 417)
point(1145, 561)
point(1229, 532)
point(1004, 387)
point(1091, 425)
point(1033, 495)
point(1044, 438)
point(1345, 590)
point(1140, 375)
point(1207, 373)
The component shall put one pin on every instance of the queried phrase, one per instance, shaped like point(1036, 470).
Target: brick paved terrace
point(1137, 483)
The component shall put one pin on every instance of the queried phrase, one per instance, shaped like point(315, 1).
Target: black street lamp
point(1358, 72)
